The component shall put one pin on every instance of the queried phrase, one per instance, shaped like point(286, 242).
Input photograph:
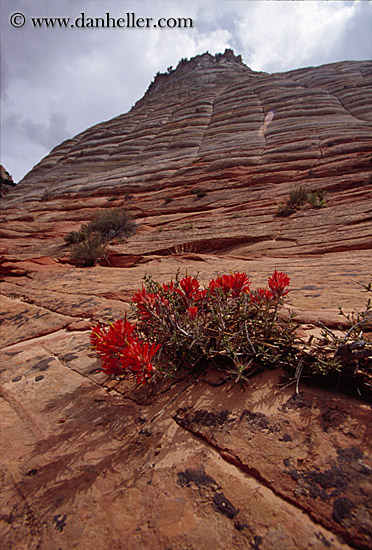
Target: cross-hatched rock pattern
point(216, 143)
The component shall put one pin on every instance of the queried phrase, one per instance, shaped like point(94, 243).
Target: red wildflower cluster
point(149, 303)
point(278, 282)
point(236, 283)
point(119, 348)
point(190, 289)
point(184, 322)
point(261, 295)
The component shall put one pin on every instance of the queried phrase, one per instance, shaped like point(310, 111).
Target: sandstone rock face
point(6, 181)
point(245, 139)
point(202, 160)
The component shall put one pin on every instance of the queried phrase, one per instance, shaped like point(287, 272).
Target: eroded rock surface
point(202, 161)
point(213, 143)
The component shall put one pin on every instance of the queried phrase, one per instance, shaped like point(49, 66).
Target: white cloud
point(288, 35)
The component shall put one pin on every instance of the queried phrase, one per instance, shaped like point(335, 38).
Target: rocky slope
point(202, 160)
point(203, 128)
point(6, 181)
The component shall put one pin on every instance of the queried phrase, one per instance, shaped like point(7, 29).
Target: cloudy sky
point(56, 82)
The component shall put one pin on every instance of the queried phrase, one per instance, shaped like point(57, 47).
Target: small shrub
point(111, 223)
point(87, 252)
point(284, 209)
point(184, 248)
point(47, 194)
point(346, 359)
point(74, 237)
point(89, 243)
point(14, 295)
point(300, 197)
point(317, 199)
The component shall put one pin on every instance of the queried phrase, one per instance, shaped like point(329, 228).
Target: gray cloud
point(45, 133)
point(356, 40)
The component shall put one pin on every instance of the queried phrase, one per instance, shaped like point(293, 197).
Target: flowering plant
point(119, 347)
point(182, 327)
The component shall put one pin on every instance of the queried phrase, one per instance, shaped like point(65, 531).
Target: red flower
point(190, 287)
point(192, 311)
point(201, 294)
point(262, 294)
point(109, 342)
point(138, 357)
point(236, 283)
point(145, 301)
point(142, 297)
point(277, 283)
point(168, 288)
point(239, 282)
point(118, 348)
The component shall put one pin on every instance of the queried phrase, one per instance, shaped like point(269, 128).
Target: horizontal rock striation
point(214, 140)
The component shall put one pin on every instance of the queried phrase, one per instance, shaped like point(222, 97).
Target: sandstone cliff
point(202, 161)
point(6, 181)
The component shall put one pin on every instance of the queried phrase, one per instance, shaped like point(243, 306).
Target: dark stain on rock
point(16, 378)
point(223, 505)
point(332, 416)
point(352, 457)
point(257, 542)
point(296, 401)
point(38, 378)
point(60, 522)
point(286, 438)
point(291, 470)
point(321, 482)
point(32, 472)
point(317, 484)
point(69, 357)
point(95, 371)
point(188, 417)
point(196, 476)
point(349, 454)
point(145, 432)
point(258, 421)
point(240, 526)
point(323, 540)
point(43, 364)
point(342, 509)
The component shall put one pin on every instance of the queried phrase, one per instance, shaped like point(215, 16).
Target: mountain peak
point(220, 63)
